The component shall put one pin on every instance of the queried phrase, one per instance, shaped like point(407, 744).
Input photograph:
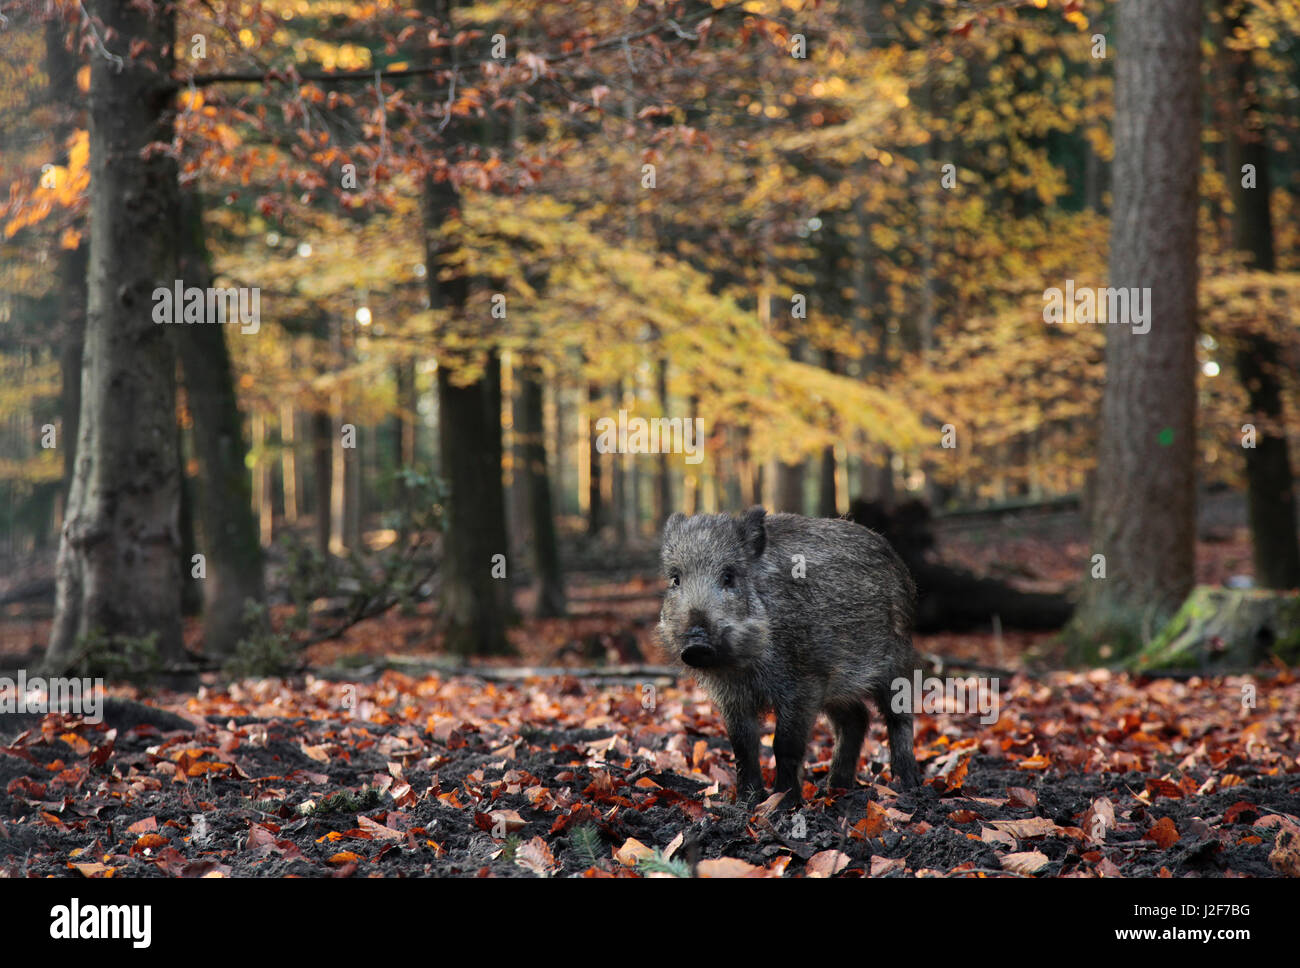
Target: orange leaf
point(1164, 833)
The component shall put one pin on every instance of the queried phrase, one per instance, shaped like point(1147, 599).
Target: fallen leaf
point(1025, 862)
point(827, 863)
point(536, 856)
point(728, 867)
point(1285, 856)
point(880, 866)
point(1164, 833)
point(632, 851)
point(1029, 827)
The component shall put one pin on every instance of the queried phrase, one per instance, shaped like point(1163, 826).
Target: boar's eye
point(728, 578)
point(674, 579)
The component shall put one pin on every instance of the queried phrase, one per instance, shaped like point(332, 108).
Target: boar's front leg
point(794, 723)
point(742, 730)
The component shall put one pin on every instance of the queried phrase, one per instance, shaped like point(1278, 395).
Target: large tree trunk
point(1145, 522)
point(473, 602)
point(475, 605)
point(547, 576)
point(118, 570)
point(1269, 486)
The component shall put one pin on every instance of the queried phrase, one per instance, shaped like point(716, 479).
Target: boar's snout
point(699, 652)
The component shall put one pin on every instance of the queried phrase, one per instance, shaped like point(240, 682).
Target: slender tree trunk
point(595, 495)
point(61, 66)
point(532, 476)
point(407, 407)
point(322, 436)
point(663, 470)
point(231, 547)
point(289, 461)
point(191, 590)
point(1144, 521)
point(118, 570)
point(618, 481)
point(1270, 493)
point(827, 500)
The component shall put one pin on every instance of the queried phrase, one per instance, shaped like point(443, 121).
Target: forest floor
point(419, 771)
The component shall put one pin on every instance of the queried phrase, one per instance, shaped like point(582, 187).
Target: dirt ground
point(1083, 775)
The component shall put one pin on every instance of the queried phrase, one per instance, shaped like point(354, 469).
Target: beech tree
point(1144, 493)
point(118, 573)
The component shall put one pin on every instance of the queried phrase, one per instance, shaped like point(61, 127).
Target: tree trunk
point(407, 406)
point(473, 600)
point(233, 556)
point(618, 482)
point(533, 478)
point(827, 502)
point(789, 487)
point(289, 461)
point(118, 570)
point(475, 593)
point(322, 435)
point(663, 471)
point(61, 66)
point(1269, 486)
point(595, 501)
point(1145, 525)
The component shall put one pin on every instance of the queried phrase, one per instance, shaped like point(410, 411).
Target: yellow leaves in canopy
point(58, 186)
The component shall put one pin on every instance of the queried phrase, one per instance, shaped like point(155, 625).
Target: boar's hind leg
point(794, 723)
point(850, 723)
point(902, 760)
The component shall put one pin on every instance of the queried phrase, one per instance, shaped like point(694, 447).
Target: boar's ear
point(753, 532)
point(675, 521)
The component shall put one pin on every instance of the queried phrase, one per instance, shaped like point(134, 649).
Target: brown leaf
point(729, 867)
point(147, 825)
point(827, 863)
point(93, 870)
point(378, 830)
point(536, 856)
point(1164, 788)
point(991, 836)
point(632, 851)
point(1099, 818)
point(880, 866)
point(1241, 812)
point(1285, 856)
point(1164, 833)
point(1026, 862)
point(1022, 797)
point(1029, 827)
